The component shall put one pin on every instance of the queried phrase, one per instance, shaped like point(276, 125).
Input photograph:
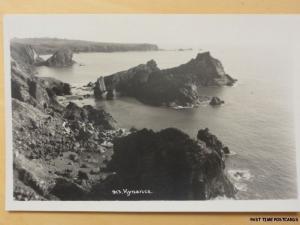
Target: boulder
point(58, 87)
point(216, 101)
point(89, 114)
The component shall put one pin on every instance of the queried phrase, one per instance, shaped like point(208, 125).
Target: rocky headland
point(178, 86)
point(169, 164)
point(68, 152)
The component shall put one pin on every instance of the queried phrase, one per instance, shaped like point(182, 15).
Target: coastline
point(68, 170)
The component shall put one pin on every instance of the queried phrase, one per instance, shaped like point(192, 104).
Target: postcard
point(152, 112)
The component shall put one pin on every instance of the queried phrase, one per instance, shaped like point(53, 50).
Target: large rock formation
point(170, 165)
point(61, 58)
point(212, 141)
point(178, 85)
point(99, 88)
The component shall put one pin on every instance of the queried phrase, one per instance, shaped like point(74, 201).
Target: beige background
point(128, 6)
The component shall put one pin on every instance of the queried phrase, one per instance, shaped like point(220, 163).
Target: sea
point(256, 122)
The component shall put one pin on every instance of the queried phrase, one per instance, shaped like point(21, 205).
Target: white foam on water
point(183, 107)
point(241, 186)
point(240, 175)
point(222, 198)
point(232, 153)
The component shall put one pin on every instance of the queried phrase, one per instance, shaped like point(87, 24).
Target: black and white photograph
point(152, 112)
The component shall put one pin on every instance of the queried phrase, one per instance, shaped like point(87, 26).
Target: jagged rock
point(61, 58)
point(216, 101)
point(170, 164)
point(90, 84)
point(212, 141)
point(87, 113)
point(67, 190)
point(99, 88)
point(28, 88)
point(25, 54)
point(178, 85)
point(58, 87)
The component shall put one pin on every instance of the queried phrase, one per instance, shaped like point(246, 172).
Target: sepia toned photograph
point(130, 112)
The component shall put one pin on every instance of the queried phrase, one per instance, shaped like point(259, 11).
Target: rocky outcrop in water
point(61, 58)
point(174, 86)
point(216, 101)
point(170, 165)
point(99, 88)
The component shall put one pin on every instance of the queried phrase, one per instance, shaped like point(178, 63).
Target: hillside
point(45, 46)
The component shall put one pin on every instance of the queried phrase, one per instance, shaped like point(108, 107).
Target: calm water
point(256, 122)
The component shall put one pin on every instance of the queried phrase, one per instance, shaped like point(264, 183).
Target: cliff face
point(25, 54)
point(48, 139)
point(178, 85)
point(24, 85)
point(170, 164)
point(99, 88)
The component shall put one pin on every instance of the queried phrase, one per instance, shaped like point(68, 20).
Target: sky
point(167, 31)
